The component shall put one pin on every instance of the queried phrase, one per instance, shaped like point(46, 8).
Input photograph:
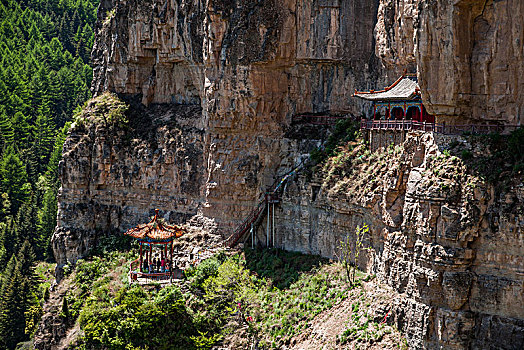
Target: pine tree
point(43, 136)
point(13, 179)
point(26, 228)
point(17, 297)
point(10, 239)
point(6, 275)
point(21, 130)
point(6, 131)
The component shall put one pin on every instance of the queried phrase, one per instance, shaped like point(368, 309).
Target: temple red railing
point(408, 125)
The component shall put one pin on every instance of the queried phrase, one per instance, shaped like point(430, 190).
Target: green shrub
point(516, 145)
point(87, 271)
point(345, 130)
point(466, 154)
point(139, 319)
point(207, 268)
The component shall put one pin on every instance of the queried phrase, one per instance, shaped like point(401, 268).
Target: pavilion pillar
point(150, 255)
point(140, 266)
point(374, 110)
point(171, 262)
point(267, 228)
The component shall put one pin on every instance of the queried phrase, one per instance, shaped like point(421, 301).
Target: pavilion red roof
point(156, 231)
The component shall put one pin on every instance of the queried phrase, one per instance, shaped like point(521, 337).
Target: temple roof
point(405, 88)
point(156, 231)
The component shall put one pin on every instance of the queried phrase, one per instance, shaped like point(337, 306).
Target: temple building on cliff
point(400, 101)
point(397, 110)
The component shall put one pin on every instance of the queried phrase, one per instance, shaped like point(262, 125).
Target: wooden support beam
point(267, 228)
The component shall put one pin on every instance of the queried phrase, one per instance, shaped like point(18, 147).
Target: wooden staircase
point(257, 214)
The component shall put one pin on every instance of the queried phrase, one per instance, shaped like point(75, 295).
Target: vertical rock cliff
point(469, 55)
point(242, 69)
point(212, 86)
point(446, 239)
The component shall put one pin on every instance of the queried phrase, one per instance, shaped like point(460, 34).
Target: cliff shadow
point(283, 268)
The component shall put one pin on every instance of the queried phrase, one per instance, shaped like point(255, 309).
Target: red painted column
point(140, 267)
point(171, 261)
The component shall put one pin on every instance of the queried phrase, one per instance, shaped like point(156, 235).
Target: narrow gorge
point(212, 89)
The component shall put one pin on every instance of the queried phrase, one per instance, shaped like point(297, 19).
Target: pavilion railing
point(408, 125)
point(134, 269)
point(133, 266)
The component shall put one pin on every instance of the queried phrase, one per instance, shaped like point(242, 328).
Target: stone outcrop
point(113, 177)
point(449, 242)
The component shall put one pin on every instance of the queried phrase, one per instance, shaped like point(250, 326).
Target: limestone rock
point(459, 279)
point(468, 55)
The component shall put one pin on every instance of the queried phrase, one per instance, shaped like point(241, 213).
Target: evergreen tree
point(43, 135)
point(8, 272)
point(6, 131)
point(18, 292)
point(21, 130)
point(9, 238)
point(26, 229)
point(13, 179)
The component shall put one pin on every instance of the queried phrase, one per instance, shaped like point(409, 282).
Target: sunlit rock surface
point(213, 86)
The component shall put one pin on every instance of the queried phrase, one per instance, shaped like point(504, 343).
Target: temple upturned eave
point(404, 89)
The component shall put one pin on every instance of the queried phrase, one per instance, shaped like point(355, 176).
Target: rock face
point(243, 68)
point(212, 87)
point(113, 178)
point(469, 55)
point(449, 242)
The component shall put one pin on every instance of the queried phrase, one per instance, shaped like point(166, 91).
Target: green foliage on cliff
point(345, 130)
point(45, 50)
point(106, 109)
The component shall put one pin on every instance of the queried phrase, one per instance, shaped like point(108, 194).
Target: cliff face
point(246, 68)
point(447, 240)
point(114, 177)
point(468, 55)
point(212, 87)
